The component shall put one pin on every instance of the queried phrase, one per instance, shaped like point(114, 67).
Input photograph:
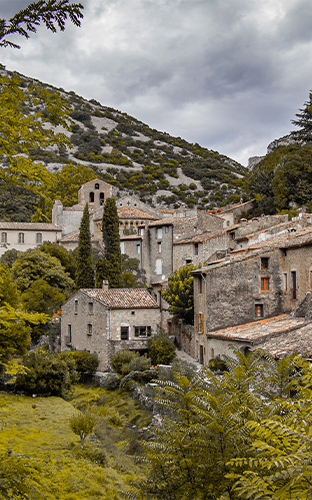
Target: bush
point(47, 374)
point(161, 350)
point(217, 365)
point(124, 362)
point(111, 382)
point(86, 363)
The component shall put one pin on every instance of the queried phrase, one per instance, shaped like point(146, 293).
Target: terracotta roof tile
point(73, 237)
point(298, 341)
point(134, 213)
point(30, 226)
point(131, 237)
point(123, 298)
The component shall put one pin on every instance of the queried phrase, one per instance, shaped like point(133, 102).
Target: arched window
point(97, 186)
point(101, 198)
point(91, 197)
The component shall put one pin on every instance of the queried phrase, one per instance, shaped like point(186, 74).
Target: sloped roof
point(74, 237)
point(123, 298)
point(294, 342)
point(201, 238)
point(134, 213)
point(257, 331)
point(131, 237)
point(100, 181)
point(30, 226)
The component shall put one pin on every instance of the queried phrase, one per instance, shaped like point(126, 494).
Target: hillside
point(162, 170)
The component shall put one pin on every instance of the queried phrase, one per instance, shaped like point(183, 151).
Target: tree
point(52, 13)
point(131, 274)
point(84, 272)
point(179, 293)
point(82, 424)
point(304, 120)
point(109, 267)
point(161, 350)
point(66, 258)
point(42, 297)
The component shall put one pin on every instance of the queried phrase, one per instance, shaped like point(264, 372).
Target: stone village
point(252, 285)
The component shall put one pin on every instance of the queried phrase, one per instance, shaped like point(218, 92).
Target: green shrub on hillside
point(124, 362)
point(161, 350)
point(85, 363)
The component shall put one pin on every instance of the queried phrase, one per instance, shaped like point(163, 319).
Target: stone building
point(106, 321)
point(23, 236)
point(250, 284)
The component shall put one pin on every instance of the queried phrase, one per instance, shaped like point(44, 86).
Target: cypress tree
point(84, 272)
point(109, 267)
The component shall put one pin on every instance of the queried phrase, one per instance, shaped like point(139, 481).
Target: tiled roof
point(79, 207)
point(173, 220)
point(298, 341)
point(95, 180)
point(30, 226)
point(257, 331)
point(201, 238)
point(131, 237)
point(123, 298)
point(74, 237)
point(134, 213)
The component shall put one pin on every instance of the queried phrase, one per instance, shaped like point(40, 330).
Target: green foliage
point(85, 362)
point(42, 297)
point(179, 293)
point(65, 257)
point(47, 374)
point(82, 424)
point(19, 476)
point(217, 365)
point(124, 362)
point(85, 271)
point(304, 120)
point(52, 13)
point(161, 350)
point(34, 265)
point(131, 274)
point(109, 268)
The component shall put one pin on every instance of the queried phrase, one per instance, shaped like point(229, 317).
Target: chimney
point(104, 285)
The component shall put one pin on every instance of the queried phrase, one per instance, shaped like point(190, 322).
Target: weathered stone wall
point(185, 335)
point(89, 187)
point(152, 252)
point(30, 238)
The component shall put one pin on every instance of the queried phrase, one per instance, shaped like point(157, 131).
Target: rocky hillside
point(162, 170)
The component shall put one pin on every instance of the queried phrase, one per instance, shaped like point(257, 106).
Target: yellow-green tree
point(179, 293)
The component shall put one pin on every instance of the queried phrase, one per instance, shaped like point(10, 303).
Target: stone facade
point(23, 236)
point(107, 321)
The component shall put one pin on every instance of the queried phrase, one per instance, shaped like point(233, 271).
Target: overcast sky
point(228, 74)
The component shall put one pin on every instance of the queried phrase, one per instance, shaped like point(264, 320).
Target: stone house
point(254, 283)
point(23, 236)
point(109, 320)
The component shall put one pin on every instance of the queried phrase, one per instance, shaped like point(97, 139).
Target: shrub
point(86, 363)
point(126, 361)
point(161, 350)
point(111, 382)
point(217, 365)
point(47, 374)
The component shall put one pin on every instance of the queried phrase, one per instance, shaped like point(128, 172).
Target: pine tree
point(109, 267)
point(304, 120)
point(84, 273)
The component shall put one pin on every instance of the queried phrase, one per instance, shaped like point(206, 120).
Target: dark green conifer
point(84, 272)
point(109, 268)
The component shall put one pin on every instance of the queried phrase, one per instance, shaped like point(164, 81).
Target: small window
point(138, 249)
point(102, 199)
point(264, 263)
point(158, 266)
point(232, 236)
point(4, 237)
point(89, 331)
point(196, 249)
point(90, 307)
point(188, 261)
point(124, 333)
point(97, 186)
point(91, 197)
point(133, 313)
point(76, 306)
point(141, 231)
point(159, 247)
point(38, 238)
point(166, 229)
point(21, 237)
point(159, 233)
point(212, 352)
point(69, 335)
point(265, 284)
point(200, 284)
point(142, 331)
point(259, 310)
point(285, 284)
point(201, 323)
point(293, 284)
point(122, 247)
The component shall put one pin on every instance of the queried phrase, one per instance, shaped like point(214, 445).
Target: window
point(97, 186)
point(90, 307)
point(196, 249)
point(21, 237)
point(166, 229)
point(122, 247)
point(159, 233)
point(142, 331)
point(124, 333)
point(76, 307)
point(265, 284)
point(141, 231)
point(4, 237)
point(91, 197)
point(232, 236)
point(285, 284)
point(159, 247)
point(293, 284)
point(201, 323)
point(158, 266)
point(69, 335)
point(188, 261)
point(89, 330)
point(101, 199)
point(264, 263)
point(259, 310)
point(138, 249)
point(212, 352)
point(310, 280)
point(200, 284)
point(38, 238)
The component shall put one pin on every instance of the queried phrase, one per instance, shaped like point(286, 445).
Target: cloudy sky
point(228, 74)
